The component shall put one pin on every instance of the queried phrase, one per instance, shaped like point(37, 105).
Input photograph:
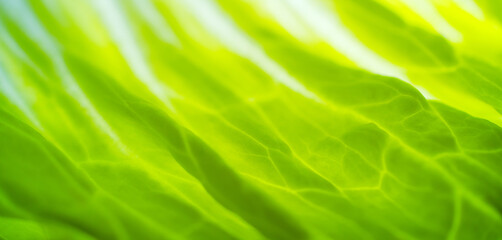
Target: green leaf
point(142, 119)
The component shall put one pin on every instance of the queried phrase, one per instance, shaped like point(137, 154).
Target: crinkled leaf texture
point(217, 119)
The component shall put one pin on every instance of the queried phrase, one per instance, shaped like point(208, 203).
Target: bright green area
point(199, 119)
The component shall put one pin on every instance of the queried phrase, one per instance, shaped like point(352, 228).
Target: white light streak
point(219, 24)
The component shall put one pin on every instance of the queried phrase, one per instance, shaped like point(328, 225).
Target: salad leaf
point(167, 119)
